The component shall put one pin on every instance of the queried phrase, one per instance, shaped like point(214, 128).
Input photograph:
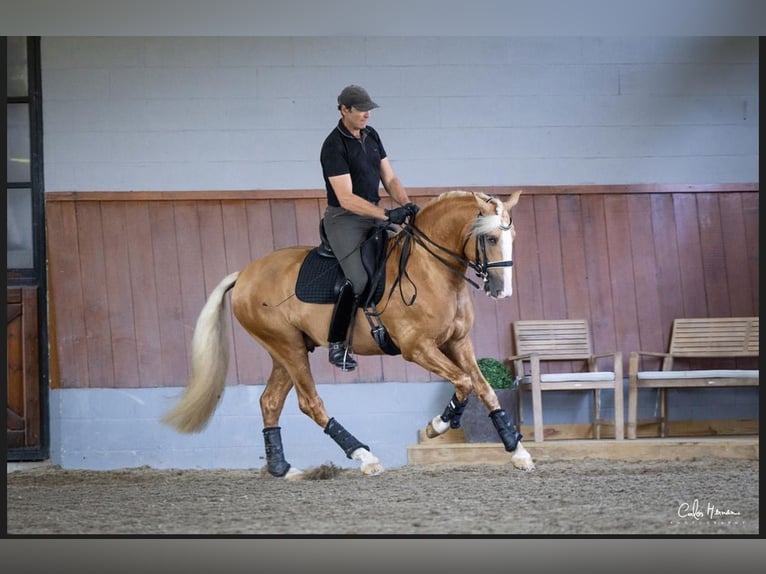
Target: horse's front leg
point(460, 352)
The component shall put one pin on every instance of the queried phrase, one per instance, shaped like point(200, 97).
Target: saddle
point(320, 278)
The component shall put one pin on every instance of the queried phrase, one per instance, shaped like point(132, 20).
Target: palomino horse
point(430, 325)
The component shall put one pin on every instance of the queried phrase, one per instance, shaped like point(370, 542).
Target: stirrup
point(341, 358)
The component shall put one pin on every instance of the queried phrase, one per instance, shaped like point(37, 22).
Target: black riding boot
point(342, 315)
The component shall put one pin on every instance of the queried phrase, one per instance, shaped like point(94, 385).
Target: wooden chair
point(543, 342)
point(693, 339)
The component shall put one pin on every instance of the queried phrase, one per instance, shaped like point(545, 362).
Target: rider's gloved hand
point(398, 214)
point(413, 209)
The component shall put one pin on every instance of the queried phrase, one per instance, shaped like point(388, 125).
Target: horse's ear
point(512, 201)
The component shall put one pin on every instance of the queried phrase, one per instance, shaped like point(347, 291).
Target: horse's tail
point(210, 361)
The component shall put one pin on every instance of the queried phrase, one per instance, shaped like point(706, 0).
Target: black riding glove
point(398, 214)
point(413, 209)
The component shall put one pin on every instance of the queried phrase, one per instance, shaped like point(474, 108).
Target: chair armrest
point(666, 359)
point(616, 357)
point(525, 357)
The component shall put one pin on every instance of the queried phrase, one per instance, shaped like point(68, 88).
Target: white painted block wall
point(204, 113)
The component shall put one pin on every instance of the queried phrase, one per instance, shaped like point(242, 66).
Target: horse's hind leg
point(272, 402)
point(292, 368)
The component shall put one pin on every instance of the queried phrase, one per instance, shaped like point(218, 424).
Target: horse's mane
point(489, 221)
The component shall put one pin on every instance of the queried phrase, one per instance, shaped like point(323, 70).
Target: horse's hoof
point(372, 469)
point(523, 462)
point(436, 426)
point(293, 474)
point(521, 458)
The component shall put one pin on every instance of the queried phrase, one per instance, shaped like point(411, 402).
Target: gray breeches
point(346, 231)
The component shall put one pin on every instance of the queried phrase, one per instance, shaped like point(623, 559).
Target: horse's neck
point(445, 232)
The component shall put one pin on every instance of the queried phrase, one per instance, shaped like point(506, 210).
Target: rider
point(354, 164)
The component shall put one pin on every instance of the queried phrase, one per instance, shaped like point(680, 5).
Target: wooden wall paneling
point(645, 274)
point(120, 295)
point(735, 255)
point(751, 216)
point(575, 276)
point(144, 287)
point(713, 257)
point(284, 223)
point(527, 261)
point(667, 247)
point(214, 266)
point(694, 302)
point(549, 246)
point(629, 263)
point(307, 217)
point(484, 335)
point(64, 270)
point(552, 283)
point(597, 267)
point(31, 367)
point(168, 282)
point(192, 295)
point(622, 274)
point(237, 244)
point(96, 305)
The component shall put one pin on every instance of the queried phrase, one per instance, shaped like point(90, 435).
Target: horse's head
point(493, 233)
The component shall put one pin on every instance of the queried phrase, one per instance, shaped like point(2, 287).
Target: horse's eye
point(492, 240)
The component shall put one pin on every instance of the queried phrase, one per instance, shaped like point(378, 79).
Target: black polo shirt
point(342, 153)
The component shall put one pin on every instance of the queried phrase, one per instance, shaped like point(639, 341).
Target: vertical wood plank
point(625, 322)
point(307, 216)
point(526, 249)
point(599, 280)
point(120, 295)
point(284, 223)
point(549, 244)
point(168, 281)
point(193, 294)
point(690, 256)
point(96, 306)
point(214, 267)
point(649, 332)
point(750, 216)
point(738, 280)
point(669, 272)
point(573, 258)
point(713, 258)
point(64, 268)
point(237, 243)
point(144, 289)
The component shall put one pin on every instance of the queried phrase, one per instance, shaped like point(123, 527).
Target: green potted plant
point(476, 424)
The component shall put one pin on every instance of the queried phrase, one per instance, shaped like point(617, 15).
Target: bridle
point(481, 264)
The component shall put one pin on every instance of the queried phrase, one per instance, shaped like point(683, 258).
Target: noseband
point(481, 264)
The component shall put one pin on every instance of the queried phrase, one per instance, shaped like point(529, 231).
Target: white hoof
point(370, 463)
point(293, 474)
point(521, 459)
point(436, 426)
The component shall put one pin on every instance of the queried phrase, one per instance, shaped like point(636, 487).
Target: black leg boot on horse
point(342, 317)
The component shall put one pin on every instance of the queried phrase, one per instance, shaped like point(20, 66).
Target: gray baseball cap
point(357, 97)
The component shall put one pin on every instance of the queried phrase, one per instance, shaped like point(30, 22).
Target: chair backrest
point(556, 339)
point(716, 336)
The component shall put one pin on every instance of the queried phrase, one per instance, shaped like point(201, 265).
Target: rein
point(410, 232)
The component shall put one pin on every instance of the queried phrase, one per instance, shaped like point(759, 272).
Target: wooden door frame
point(35, 277)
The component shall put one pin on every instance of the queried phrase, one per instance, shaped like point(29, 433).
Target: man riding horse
point(354, 164)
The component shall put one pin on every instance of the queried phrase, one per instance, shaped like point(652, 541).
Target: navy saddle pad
point(320, 275)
